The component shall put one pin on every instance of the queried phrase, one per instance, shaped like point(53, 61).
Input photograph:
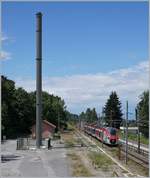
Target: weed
point(78, 167)
point(99, 160)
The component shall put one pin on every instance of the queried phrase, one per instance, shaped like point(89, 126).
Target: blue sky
point(79, 40)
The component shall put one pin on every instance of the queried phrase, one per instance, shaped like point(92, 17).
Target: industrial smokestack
point(38, 79)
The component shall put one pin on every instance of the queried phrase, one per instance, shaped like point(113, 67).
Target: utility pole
point(126, 148)
point(79, 123)
point(124, 125)
point(138, 131)
point(99, 120)
point(58, 121)
point(38, 79)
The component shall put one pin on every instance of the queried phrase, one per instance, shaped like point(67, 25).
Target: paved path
point(34, 163)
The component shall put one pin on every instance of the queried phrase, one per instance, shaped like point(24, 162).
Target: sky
point(89, 50)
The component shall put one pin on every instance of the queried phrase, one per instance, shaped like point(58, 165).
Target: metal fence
point(29, 143)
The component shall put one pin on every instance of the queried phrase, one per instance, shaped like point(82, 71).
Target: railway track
point(125, 172)
point(143, 150)
point(142, 159)
point(138, 158)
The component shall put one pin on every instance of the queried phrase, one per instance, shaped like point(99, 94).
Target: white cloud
point(4, 38)
point(5, 55)
point(92, 90)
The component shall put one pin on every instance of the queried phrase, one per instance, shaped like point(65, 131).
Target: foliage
point(19, 109)
point(143, 113)
point(89, 116)
point(17, 112)
point(72, 118)
point(8, 89)
point(112, 111)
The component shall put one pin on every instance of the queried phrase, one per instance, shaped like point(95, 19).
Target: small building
point(48, 129)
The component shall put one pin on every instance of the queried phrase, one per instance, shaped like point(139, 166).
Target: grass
point(69, 143)
point(78, 167)
point(68, 139)
point(114, 152)
point(70, 126)
point(99, 160)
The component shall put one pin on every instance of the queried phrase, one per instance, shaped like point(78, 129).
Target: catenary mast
point(38, 79)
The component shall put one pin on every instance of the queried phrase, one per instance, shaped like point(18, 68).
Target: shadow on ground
point(5, 158)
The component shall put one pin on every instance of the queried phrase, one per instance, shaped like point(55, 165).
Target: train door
point(101, 135)
point(105, 138)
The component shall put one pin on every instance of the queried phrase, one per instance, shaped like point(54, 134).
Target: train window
point(93, 131)
point(112, 131)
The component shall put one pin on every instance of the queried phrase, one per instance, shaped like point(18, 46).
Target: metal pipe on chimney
point(38, 79)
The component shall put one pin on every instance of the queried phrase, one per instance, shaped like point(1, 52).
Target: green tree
point(17, 113)
point(82, 116)
point(8, 89)
point(88, 115)
point(94, 115)
point(24, 112)
point(143, 110)
point(112, 111)
point(19, 109)
point(54, 109)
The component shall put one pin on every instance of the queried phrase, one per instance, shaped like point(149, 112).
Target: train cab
point(112, 136)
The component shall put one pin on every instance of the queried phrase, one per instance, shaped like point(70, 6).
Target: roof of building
point(48, 123)
point(45, 121)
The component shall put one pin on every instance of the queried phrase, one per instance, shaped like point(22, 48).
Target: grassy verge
point(78, 167)
point(68, 138)
point(99, 160)
point(70, 126)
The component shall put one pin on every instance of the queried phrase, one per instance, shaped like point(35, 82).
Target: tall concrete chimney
point(38, 79)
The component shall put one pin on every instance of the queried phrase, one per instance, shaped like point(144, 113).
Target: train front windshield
point(112, 131)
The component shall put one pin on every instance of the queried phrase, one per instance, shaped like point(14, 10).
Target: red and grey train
point(107, 135)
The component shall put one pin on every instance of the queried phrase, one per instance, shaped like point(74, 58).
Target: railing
point(27, 143)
